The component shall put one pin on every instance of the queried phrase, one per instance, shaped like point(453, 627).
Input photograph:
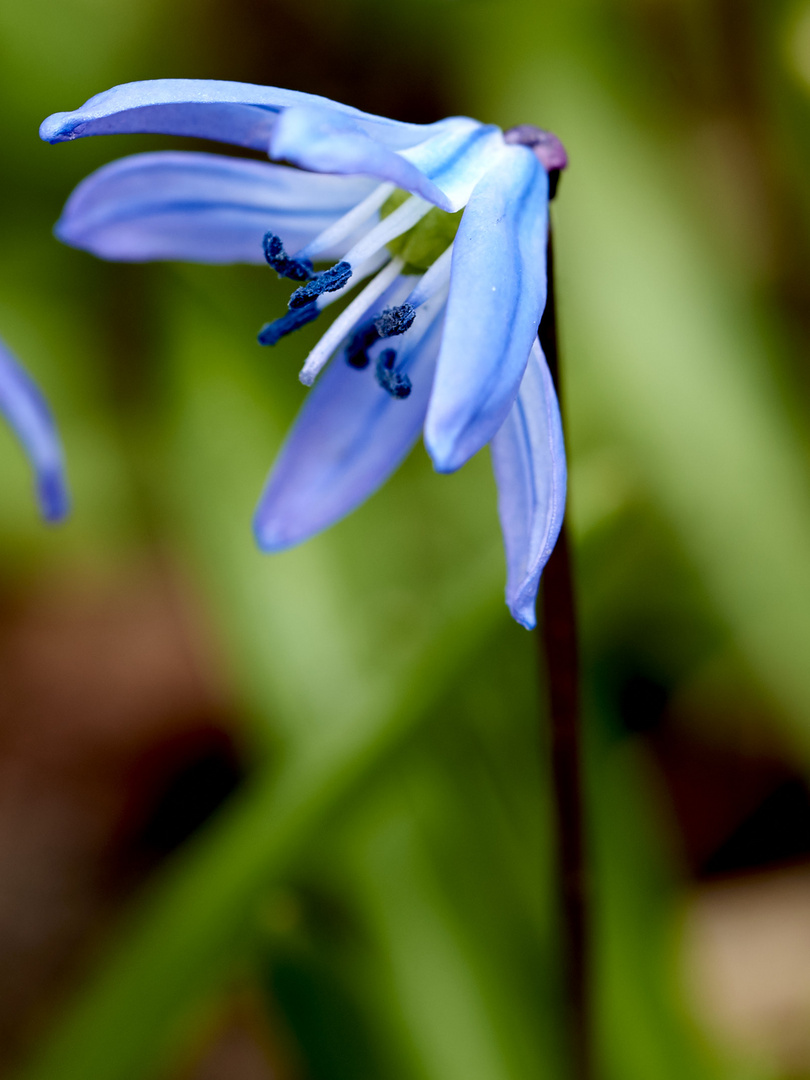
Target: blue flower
point(442, 337)
point(28, 414)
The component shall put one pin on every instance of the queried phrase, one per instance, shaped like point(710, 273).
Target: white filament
point(345, 226)
point(431, 307)
point(397, 222)
point(348, 318)
point(436, 277)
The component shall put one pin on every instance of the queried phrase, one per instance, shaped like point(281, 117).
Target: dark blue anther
point(395, 320)
point(359, 344)
point(283, 264)
point(389, 323)
point(274, 331)
point(394, 382)
point(329, 281)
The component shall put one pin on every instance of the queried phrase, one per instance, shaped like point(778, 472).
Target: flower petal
point(528, 456)
point(456, 158)
point(238, 113)
point(348, 438)
point(443, 168)
point(201, 208)
point(497, 296)
point(25, 409)
point(324, 140)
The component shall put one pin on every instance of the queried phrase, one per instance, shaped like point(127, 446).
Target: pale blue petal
point(327, 141)
point(238, 113)
point(497, 296)
point(443, 168)
point(349, 437)
point(26, 411)
point(528, 456)
point(201, 208)
point(456, 158)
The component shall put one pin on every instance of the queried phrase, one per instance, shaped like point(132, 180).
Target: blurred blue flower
point(27, 412)
point(460, 301)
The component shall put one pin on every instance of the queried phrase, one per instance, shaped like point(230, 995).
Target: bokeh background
point(288, 817)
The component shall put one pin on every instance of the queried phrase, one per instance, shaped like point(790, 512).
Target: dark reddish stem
point(559, 657)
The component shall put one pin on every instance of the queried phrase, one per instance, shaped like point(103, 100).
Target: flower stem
point(557, 654)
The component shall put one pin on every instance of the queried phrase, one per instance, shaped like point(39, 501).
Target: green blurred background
point(287, 817)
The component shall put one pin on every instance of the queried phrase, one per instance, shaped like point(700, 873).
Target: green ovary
point(421, 246)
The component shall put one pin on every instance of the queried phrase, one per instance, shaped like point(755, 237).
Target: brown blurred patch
point(740, 811)
point(241, 1042)
point(116, 741)
point(391, 65)
point(737, 800)
point(747, 965)
point(727, 802)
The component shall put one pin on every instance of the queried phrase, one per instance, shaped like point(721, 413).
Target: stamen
point(285, 266)
point(273, 332)
point(395, 320)
point(363, 271)
point(329, 281)
point(397, 222)
point(361, 341)
point(345, 226)
point(389, 323)
point(436, 277)
point(348, 318)
point(396, 383)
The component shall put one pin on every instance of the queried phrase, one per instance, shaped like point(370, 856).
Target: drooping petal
point(528, 456)
point(28, 414)
point(201, 207)
point(239, 113)
point(324, 140)
point(348, 438)
point(497, 296)
point(443, 168)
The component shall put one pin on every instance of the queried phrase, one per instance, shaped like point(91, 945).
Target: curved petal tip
point(269, 534)
point(59, 127)
point(447, 452)
point(52, 496)
point(28, 415)
point(522, 610)
point(528, 455)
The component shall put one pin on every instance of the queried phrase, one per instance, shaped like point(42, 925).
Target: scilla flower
point(26, 411)
point(440, 330)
